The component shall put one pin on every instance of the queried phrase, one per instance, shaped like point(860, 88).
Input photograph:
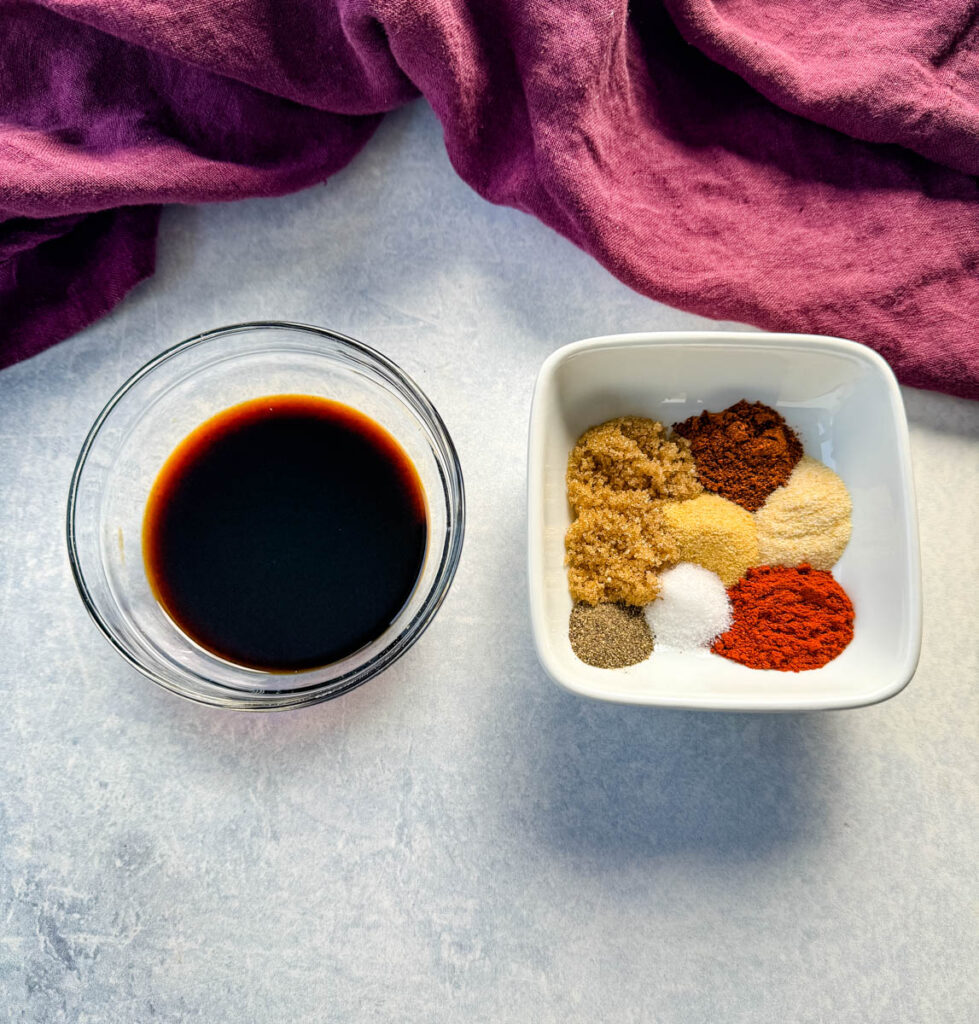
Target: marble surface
point(459, 839)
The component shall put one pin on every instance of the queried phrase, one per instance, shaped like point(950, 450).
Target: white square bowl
point(844, 403)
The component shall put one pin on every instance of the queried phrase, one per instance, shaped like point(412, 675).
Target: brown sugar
point(615, 556)
point(626, 463)
point(743, 453)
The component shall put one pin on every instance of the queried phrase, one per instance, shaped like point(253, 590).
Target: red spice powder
point(788, 619)
point(743, 453)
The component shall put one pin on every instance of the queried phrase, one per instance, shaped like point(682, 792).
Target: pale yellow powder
point(714, 533)
point(807, 520)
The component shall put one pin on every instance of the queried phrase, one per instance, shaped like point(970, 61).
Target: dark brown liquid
point(285, 533)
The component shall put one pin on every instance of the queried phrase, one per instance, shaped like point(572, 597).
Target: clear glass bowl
point(155, 410)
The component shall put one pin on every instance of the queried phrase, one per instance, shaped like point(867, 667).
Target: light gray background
point(459, 840)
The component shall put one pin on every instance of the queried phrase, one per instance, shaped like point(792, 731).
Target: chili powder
point(743, 453)
point(787, 619)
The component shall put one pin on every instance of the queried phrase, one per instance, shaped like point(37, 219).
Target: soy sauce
point(285, 533)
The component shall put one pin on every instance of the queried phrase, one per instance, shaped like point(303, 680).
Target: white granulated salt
point(692, 609)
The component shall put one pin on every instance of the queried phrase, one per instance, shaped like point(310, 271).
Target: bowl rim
point(729, 339)
point(453, 488)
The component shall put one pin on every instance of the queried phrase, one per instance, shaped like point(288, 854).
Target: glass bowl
point(155, 410)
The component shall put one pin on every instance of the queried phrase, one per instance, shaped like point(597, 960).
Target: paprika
point(789, 619)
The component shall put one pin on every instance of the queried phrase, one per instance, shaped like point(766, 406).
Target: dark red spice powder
point(788, 619)
point(743, 453)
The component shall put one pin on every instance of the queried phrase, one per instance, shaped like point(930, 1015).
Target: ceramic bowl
point(843, 401)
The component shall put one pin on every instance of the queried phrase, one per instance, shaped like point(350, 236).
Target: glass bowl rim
point(451, 547)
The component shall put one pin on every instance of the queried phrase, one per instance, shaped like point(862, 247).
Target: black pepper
point(609, 635)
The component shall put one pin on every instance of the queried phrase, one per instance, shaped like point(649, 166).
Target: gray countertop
point(459, 839)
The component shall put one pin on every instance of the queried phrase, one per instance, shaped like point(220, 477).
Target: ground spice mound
point(742, 453)
point(715, 533)
point(787, 618)
point(614, 556)
point(807, 520)
point(609, 635)
point(626, 462)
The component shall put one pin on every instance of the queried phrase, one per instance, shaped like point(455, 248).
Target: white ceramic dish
point(842, 400)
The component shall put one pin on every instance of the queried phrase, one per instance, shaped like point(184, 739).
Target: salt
point(692, 609)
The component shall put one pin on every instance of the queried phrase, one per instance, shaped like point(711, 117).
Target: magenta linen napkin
point(798, 166)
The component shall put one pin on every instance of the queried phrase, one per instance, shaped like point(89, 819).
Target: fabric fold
point(796, 170)
point(906, 75)
point(65, 273)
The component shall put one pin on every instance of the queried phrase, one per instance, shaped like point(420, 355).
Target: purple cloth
point(799, 166)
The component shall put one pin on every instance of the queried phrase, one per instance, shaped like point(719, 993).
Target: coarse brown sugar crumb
point(609, 635)
point(743, 453)
point(614, 556)
point(627, 462)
